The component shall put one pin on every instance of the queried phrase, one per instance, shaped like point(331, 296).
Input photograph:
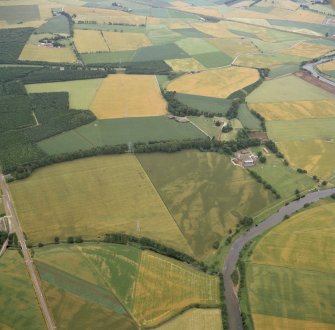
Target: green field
point(20, 308)
point(282, 70)
point(283, 178)
point(91, 197)
point(247, 119)
point(161, 52)
point(214, 60)
point(288, 88)
point(57, 24)
point(21, 13)
point(206, 186)
point(195, 46)
point(112, 57)
point(118, 131)
point(81, 92)
point(160, 34)
point(204, 103)
point(119, 283)
point(302, 129)
point(297, 276)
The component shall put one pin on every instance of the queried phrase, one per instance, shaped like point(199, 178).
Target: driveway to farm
point(233, 307)
point(311, 68)
point(10, 211)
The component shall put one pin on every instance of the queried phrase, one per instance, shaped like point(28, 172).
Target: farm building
point(245, 158)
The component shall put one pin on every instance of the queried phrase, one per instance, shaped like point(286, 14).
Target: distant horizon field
point(285, 255)
point(102, 195)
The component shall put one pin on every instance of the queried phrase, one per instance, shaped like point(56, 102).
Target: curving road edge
point(10, 211)
point(232, 302)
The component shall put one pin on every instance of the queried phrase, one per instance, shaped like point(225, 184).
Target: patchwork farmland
point(143, 142)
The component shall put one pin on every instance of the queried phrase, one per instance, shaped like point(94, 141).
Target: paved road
point(10, 211)
point(311, 68)
point(233, 307)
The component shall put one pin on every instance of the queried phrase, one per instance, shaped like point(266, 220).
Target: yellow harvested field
point(185, 64)
point(285, 4)
point(295, 110)
point(266, 322)
point(233, 47)
point(178, 25)
point(215, 83)
point(180, 4)
point(328, 66)
point(123, 96)
point(214, 29)
point(183, 286)
point(120, 41)
point(89, 41)
point(207, 11)
point(195, 319)
point(37, 53)
point(307, 50)
point(104, 15)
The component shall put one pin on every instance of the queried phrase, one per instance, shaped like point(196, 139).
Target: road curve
point(10, 212)
point(232, 302)
point(311, 68)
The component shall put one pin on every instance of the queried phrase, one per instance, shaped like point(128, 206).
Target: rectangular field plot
point(81, 92)
point(215, 83)
point(308, 50)
point(108, 57)
point(165, 286)
point(122, 41)
point(91, 197)
point(20, 13)
point(193, 184)
point(90, 41)
point(122, 96)
point(194, 46)
point(185, 64)
point(288, 88)
point(295, 110)
point(233, 47)
point(17, 294)
point(118, 131)
point(247, 119)
point(195, 319)
point(214, 60)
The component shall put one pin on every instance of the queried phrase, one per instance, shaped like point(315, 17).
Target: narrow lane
point(10, 212)
point(233, 307)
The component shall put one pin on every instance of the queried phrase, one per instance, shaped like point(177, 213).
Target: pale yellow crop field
point(215, 83)
point(91, 197)
point(122, 96)
point(120, 41)
point(295, 110)
point(105, 15)
point(57, 55)
point(307, 50)
point(178, 25)
point(183, 286)
point(285, 4)
point(216, 30)
point(195, 319)
point(328, 66)
point(185, 64)
point(89, 41)
point(265, 322)
point(233, 47)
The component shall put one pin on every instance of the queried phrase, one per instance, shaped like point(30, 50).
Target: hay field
point(192, 186)
point(283, 178)
point(81, 92)
point(314, 155)
point(288, 88)
point(195, 319)
point(295, 110)
point(89, 41)
point(20, 308)
point(91, 197)
point(183, 286)
point(195, 46)
point(328, 66)
point(264, 322)
point(185, 64)
point(44, 54)
point(307, 50)
point(123, 96)
point(117, 41)
point(233, 47)
point(216, 30)
point(285, 255)
point(215, 83)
